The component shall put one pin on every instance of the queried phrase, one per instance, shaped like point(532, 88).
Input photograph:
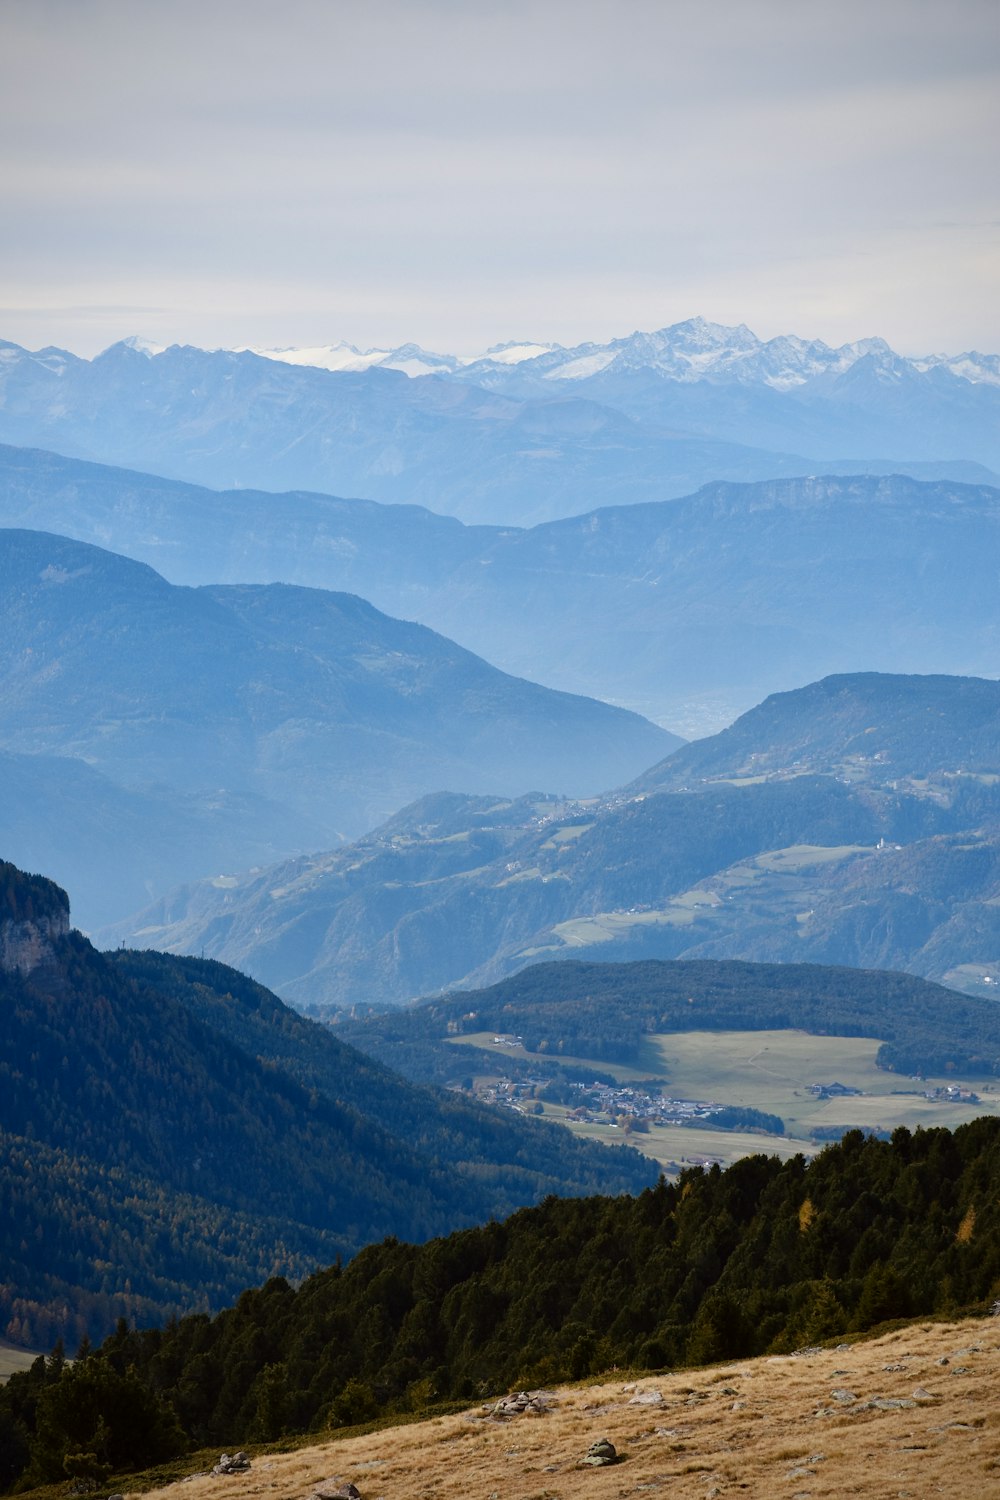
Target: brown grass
point(759, 1428)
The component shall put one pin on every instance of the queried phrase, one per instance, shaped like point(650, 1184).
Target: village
point(630, 1107)
point(638, 1106)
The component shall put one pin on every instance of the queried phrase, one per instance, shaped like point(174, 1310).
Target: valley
point(223, 726)
point(206, 1137)
point(499, 751)
point(819, 1086)
point(688, 611)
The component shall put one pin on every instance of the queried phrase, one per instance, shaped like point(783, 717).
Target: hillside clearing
point(761, 1427)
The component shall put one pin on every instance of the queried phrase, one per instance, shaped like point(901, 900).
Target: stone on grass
point(232, 1463)
point(599, 1455)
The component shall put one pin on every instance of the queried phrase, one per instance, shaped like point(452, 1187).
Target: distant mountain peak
point(705, 332)
point(143, 345)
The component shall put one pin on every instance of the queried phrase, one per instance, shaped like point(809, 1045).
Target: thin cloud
point(460, 173)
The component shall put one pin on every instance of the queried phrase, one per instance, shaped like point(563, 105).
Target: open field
point(675, 1146)
point(758, 1428)
point(770, 1071)
point(12, 1360)
point(484, 1040)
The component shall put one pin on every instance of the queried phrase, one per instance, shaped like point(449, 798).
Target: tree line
point(764, 1256)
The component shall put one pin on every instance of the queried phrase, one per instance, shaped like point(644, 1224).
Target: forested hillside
point(171, 1132)
point(606, 1011)
point(764, 1256)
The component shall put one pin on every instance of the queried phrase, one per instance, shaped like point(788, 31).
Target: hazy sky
point(460, 172)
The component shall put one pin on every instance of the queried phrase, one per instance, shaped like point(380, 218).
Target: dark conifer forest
point(765, 1256)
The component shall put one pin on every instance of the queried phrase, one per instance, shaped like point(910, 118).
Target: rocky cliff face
point(28, 945)
point(34, 915)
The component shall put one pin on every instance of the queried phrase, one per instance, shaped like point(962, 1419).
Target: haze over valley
point(499, 748)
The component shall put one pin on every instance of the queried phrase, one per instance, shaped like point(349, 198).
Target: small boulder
point(599, 1455)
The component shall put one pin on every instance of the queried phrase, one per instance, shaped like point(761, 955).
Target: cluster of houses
point(617, 1103)
point(952, 1093)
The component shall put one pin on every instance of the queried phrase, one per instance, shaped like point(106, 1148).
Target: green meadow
point(771, 1071)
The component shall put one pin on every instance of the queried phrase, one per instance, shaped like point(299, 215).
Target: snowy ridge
point(409, 358)
point(688, 352)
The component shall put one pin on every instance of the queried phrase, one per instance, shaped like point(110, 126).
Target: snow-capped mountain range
point(519, 434)
point(687, 352)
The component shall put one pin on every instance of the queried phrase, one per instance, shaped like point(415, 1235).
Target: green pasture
point(771, 1071)
point(981, 980)
point(484, 1040)
point(566, 834)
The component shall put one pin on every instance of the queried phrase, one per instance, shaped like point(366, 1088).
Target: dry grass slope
point(759, 1428)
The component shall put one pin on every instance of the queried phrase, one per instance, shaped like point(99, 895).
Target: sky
point(464, 172)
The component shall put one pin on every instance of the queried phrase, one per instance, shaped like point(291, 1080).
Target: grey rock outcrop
point(232, 1463)
point(29, 945)
point(524, 1403)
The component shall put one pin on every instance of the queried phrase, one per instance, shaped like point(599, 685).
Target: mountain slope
point(171, 1128)
point(398, 915)
point(776, 840)
point(767, 1256)
point(689, 611)
point(876, 725)
point(313, 704)
point(914, 1446)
